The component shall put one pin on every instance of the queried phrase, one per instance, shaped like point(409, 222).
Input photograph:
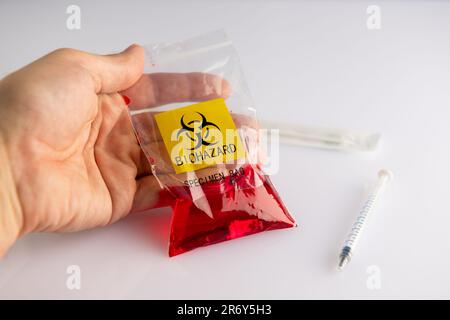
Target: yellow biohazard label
point(200, 135)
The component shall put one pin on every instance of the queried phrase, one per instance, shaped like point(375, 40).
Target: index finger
point(155, 89)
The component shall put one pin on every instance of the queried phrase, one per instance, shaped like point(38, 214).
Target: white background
point(312, 62)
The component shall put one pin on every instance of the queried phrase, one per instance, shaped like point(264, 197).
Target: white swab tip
point(386, 173)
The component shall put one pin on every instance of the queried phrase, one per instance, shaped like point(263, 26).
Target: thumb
point(116, 72)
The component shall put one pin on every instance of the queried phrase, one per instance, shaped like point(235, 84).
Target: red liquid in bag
point(241, 204)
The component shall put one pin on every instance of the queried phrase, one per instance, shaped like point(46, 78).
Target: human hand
point(70, 160)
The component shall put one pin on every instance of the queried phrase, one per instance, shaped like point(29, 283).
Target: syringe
point(346, 254)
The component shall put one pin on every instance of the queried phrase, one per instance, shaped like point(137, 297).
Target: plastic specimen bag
point(195, 121)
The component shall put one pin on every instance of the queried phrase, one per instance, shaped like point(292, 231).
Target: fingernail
point(126, 99)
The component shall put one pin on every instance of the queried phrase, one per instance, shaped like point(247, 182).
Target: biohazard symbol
point(198, 131)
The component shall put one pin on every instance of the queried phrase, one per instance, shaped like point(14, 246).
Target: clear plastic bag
point(195, 121)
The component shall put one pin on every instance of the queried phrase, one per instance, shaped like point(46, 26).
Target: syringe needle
point(346, 254)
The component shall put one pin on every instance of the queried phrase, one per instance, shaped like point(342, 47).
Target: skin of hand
point(69, 157)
